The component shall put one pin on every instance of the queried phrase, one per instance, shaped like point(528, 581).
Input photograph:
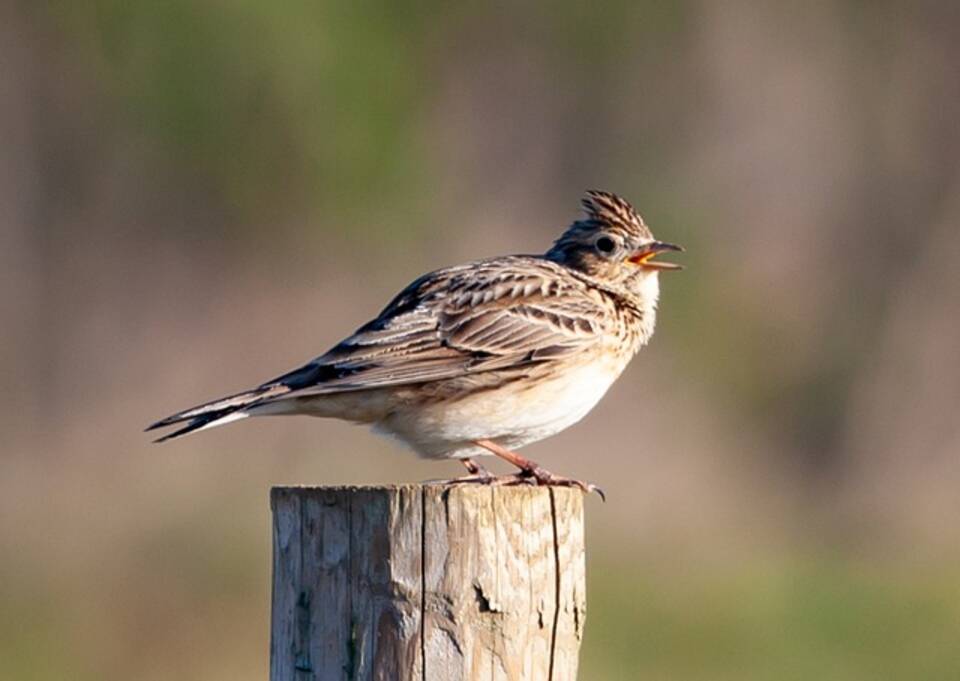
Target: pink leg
point(530, 471)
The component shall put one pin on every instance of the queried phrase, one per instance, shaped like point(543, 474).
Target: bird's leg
point(474, 468)
point(531, 471)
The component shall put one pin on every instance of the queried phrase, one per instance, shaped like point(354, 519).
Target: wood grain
point(427, 582)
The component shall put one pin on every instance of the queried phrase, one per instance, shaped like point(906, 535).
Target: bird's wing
point(506, 313)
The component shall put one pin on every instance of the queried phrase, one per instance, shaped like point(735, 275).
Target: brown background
point(195, 197)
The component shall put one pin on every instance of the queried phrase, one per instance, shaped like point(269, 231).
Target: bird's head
point(614, 246)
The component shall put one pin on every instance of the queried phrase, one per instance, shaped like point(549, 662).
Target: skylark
point(486, 357)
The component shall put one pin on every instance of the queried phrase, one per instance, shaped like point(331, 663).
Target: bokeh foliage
point(198, 195)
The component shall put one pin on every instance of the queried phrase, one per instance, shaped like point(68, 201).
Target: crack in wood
point(556, 591)
point(423, 583)
point(485, 604)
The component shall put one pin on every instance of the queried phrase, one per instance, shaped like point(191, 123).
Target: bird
point(485, 357)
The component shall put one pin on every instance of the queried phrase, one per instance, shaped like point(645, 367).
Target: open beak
point(644, 256)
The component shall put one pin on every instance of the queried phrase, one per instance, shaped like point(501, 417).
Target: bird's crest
point(610, 209)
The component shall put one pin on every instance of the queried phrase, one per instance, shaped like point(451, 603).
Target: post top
point(411, 486)
point(416, 489)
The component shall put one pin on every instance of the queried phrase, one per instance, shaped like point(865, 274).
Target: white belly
point(512, 416)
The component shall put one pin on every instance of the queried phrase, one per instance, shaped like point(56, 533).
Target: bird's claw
point(482, 478)
point(541, 476)
point(533, 476)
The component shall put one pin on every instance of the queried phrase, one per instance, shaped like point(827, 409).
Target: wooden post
point(427, 582)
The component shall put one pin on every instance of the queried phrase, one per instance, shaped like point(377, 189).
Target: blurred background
point(198, 196)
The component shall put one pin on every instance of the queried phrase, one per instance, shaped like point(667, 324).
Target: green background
point(197, 196)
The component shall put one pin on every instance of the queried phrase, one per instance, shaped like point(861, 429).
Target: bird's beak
point(644, 255)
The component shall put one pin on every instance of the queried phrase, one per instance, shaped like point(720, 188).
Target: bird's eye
point(605, 245)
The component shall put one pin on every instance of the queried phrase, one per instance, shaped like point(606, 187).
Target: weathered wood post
point(427, 582)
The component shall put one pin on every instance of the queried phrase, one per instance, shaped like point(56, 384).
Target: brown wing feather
point(508, 312)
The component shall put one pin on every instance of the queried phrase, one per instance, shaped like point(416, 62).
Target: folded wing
point(507, 313)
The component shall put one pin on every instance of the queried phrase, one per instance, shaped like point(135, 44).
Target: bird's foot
point(485, 478)
point(534, 477)
point(540, 476)
point(531, 473)
point(476, 475)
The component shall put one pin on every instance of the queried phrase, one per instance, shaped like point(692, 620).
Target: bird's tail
point(219, 412)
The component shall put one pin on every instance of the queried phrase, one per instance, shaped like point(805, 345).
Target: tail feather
point(218, 412)
point(204, 422)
